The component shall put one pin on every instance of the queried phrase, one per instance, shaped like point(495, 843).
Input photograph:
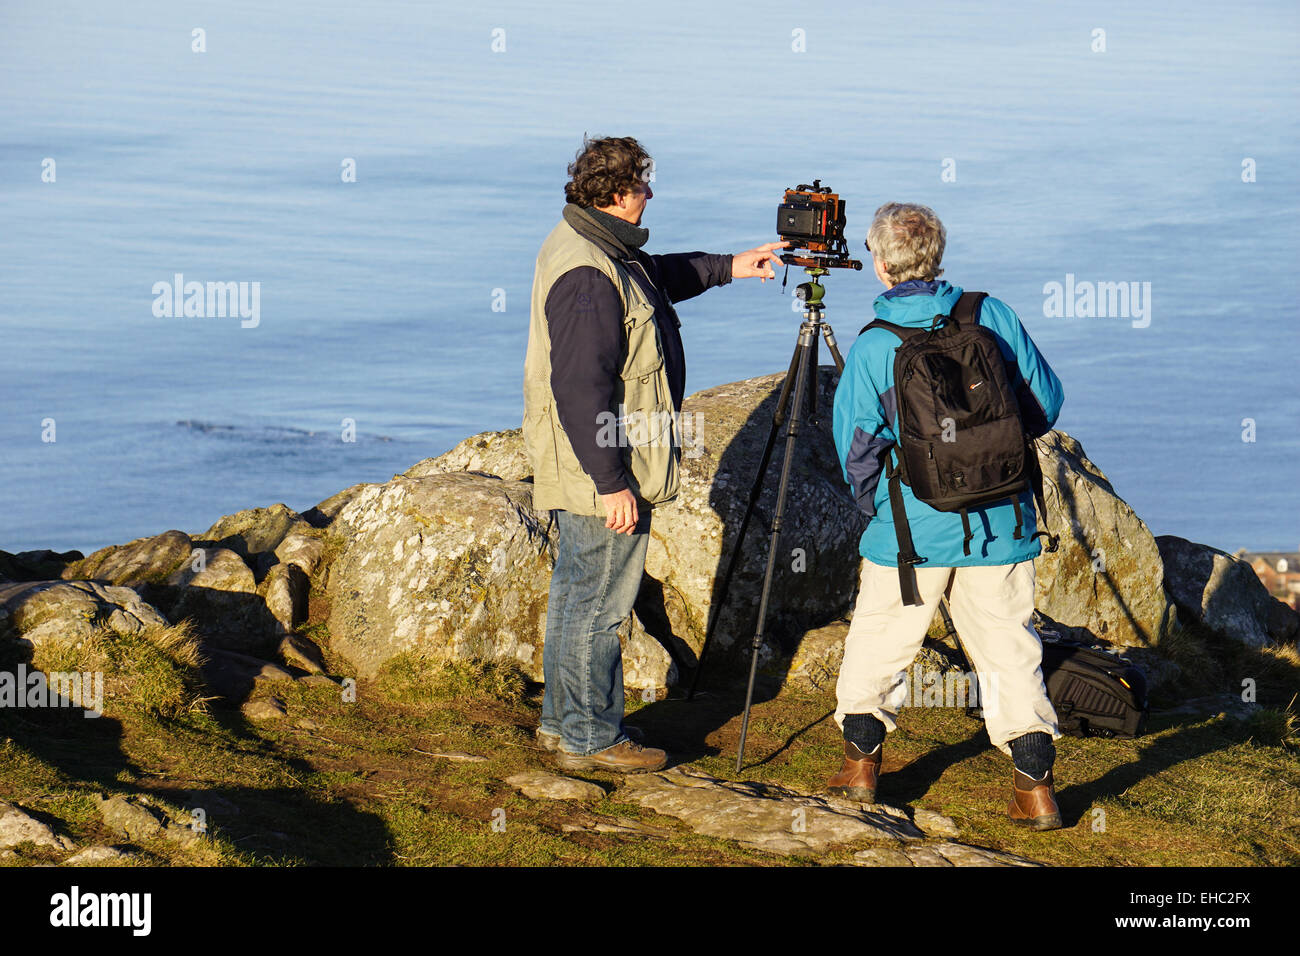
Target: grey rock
point(301, 548)
point(881, 856)
point(323, 514)
point(318, 680)
point(940, 854)
point(136, 562)
point(39, 565)
point(1106, 576)
point(18, 827)
point(621, 826)
point(181, 834)
point(816, 661)
point(693, 535)
point(766, 816)
point(298, 651)
point(934, 824)
point(43, 611)
point(540, 785)
point(452, 566)
point(285, 589)
point(959, 854)
point(499, 454)
point(815, 664)
point(253, 531)
point(926, 856)
point(455, 756)
point(220, 570)
point(264, 708)
point(137, 822)
point(1223, 593)
point(223, 601)
point(99, 856)
point(236, 676)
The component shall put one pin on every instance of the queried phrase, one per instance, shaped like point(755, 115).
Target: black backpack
point(965, 432)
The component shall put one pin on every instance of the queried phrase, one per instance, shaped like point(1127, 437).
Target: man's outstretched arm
point(684, 275)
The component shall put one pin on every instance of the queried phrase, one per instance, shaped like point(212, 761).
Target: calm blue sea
point(1122, 164)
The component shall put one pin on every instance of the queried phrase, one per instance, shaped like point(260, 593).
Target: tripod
point(800, 385)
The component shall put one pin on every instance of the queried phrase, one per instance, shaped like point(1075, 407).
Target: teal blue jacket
point(866, 416)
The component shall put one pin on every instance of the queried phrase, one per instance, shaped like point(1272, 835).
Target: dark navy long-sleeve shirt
point(584, 314)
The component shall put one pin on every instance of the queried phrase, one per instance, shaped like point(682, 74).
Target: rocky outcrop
point(540, 785)
point(451, 565)
point(39, 565)
point(57, 611)
point(1104, 581)
point(141, 561)
point(1106, 577)
point(500, 454)
point(1224, 594)
point(214, 578)
point(766, 816)
point(253, 532)
point(220, 594)
point(450, 560)
point(780, 820)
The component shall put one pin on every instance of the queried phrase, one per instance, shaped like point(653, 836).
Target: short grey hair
point(908, 239)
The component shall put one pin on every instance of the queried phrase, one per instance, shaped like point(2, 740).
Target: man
point(991, 588)
point(604, 378)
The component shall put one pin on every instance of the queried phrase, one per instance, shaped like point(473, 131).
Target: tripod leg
point(832, 345)
point(814, 377)
point(805, 353)
point(755, 492)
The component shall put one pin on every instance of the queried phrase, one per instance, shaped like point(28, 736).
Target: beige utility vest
point(641, 419)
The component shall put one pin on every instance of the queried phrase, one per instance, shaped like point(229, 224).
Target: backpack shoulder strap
point(902, 331)
point(966, 310)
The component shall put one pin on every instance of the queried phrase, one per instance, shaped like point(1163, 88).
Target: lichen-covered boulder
point(453, 566)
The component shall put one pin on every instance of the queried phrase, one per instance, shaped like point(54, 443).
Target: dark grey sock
point(1033, 754)
point(864, 731)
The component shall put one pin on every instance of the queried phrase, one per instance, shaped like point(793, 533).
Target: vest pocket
point(651, 451)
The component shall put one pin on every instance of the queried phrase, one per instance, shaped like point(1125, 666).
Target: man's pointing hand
point(757, 263)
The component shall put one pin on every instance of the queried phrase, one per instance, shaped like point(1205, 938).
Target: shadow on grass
point(288, 825)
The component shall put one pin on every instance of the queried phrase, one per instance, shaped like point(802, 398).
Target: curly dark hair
point(605, 167)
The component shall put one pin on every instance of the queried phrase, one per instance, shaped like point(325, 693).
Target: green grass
point(361, 783)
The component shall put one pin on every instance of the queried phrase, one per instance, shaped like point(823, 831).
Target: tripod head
point(812, 292)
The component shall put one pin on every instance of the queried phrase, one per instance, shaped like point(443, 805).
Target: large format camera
point(811, 220)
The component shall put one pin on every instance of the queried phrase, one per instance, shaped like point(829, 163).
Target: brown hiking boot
point(626, 757)
point(1033, 803)
point(554, 742)
point(857, 778)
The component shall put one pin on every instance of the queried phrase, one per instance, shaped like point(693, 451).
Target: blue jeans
point(593, 587)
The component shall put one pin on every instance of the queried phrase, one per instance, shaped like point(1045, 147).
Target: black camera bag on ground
point(1095, 693)
point(966, 424)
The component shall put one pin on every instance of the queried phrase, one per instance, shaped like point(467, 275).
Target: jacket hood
point(917, 308)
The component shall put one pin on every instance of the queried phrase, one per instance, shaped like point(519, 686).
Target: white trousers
point(992, 609)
